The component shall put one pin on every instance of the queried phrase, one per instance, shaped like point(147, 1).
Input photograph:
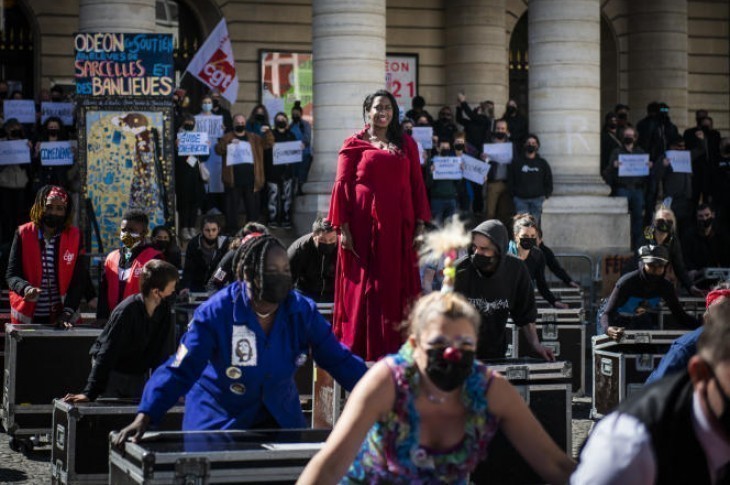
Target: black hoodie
point(507, 292)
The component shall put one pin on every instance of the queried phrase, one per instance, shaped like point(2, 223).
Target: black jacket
point(554, 265)
point(530, 177)
point(707, 252)
point(535, 263)
point(313, 273)
point(477, 126)
point(223, 274)
point(507, 292)
point(610, 173)
point(197, 271)
point(132, 342)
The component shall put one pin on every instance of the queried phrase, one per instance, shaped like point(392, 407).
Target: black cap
point(652, 254)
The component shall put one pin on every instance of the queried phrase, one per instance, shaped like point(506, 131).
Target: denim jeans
point(442, 209)
point(532, 206)
point(635, 197)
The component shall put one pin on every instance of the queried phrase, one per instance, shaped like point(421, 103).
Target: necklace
point(435, 399)
point(264, 316)
point(381, 144)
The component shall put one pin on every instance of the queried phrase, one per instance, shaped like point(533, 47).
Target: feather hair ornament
point(444, 244)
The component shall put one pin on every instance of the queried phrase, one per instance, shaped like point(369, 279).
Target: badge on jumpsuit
point(243, 347)
point(233, 372)
point(238, 388)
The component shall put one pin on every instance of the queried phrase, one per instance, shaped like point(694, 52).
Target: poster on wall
point(287, 77)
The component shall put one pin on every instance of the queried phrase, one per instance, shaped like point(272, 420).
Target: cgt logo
point(137, 272)
point(68, 256)
point(218, 72)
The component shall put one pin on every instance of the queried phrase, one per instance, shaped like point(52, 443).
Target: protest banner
point(633, 165)
point(498, 152)
point(14, 152)
point(22, 110)
point(65, 111)
point(238, 153)
point(424, 136)
point(447, 168)
point(287, 152)
point(474, 169)
point(680, 160)
point(192, 143)
point(56, 153)
point(214, 64)
point(210, 124)
point(124, 64)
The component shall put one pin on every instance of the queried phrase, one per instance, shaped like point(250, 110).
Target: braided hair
point(39, 207)
point(250, 260)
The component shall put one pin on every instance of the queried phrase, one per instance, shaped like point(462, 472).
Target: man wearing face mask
point(46, 272)
point(245, 180)
point(530, 179)
point(218, 109)
point(443, 193)
point(678, 429)
point(279, 179)
point(497, 200)
point(706, 246)
point(134, 339)
point(202, 256)
point(634, 288)
point(444, 127)
point(477, 123)
point(236, 363)
point(517, 123)
point(123, 266)
point(313, 258)
point(498, 284)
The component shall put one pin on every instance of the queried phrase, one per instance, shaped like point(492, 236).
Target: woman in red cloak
point(379, 204)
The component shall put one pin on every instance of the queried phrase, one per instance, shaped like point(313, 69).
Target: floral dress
point(391, 452)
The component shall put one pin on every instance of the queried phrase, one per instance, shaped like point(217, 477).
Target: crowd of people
point(427, 409)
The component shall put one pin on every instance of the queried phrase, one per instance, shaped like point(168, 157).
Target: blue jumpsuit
point(232, 372)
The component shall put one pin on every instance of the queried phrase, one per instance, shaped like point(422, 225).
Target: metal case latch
point(60, 437)
point(554, 346)
point(644, 362)
point(606, 367)
point(191, 471)
point(549, 331)
point(642, 338)
point(517, 373)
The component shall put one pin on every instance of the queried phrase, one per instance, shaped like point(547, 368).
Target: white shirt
point(619, 450)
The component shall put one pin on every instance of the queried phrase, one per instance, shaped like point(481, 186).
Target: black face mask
point(485, 264)
point(162, 245)
point(628, 140)
point(652, 278)
point(296, 118)
point(170, 299)
point(216, 103)
point(612, 126)
point(276, 287)
point(500, 136)
point(260, 118)
point(444, 152)
point(622, 116)
point(662, 225)
point(16, 133)
point(188, 127)
point(408, 132)
point(53, 133)
point(239, 129)
point(459, 147)
point(528, 242)
point(511, 110)
point(326, 248)
point(53, 221)
point(704, 224)
point(724, 418)
point(530, 148)
point(449, 373)
point(280, 124)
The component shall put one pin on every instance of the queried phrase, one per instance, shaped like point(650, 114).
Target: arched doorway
point(17, 49)
point(519, 65)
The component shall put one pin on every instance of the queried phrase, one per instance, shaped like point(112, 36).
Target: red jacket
point(111, 273)
point(69, 250)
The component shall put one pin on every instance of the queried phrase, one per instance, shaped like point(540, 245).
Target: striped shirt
point(49, 298)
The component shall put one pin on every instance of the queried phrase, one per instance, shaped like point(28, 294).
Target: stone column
point(348, 47)
point(116, 15)
point(657, 69)
point(476, 52)
point(565, 97)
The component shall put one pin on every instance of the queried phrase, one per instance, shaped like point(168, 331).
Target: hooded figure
point(498, 285)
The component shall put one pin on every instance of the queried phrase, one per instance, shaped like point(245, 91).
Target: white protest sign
point(287, 152)
point(238, 153)
point(498, 152)
point(22, 110)
point(446, 168)
point(420, 153)
point(65, 111)
point(633, 165)
point(680, 160)
point(192, 143)
point(424, 136)
point(210, 124)
point(474, 169)
point(14, 152)
point(55, 153)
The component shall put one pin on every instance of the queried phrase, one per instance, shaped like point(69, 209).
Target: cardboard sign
point(474, 169)
point(65, 111)
point(424, 136)
point(14, 152)
point(498, 152)
point(633, 165)
point(287, 152)
point(22, 110)
point(238, 153)
point(210, 124)
point(681, 160)
point(447, 168)
point(56, 153)
point(192, 143)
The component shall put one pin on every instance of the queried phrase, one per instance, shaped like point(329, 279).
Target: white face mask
point(207, 106)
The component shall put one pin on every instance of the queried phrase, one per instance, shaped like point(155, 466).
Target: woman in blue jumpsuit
point(237, 361)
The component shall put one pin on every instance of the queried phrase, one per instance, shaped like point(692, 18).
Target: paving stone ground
point(35, 468)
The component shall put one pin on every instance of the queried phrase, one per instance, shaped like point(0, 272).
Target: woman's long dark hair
point(394, 131)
